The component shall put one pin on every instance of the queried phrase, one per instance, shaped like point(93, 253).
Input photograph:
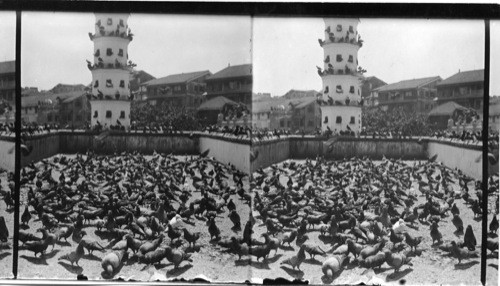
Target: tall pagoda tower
point(341, 108)
point(111, 69)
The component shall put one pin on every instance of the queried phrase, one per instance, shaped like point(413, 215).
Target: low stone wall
point(452, 154)
point(49, 144)
point(270, 152)
point(178, 144)
point(466, 157)
point(235, 152)
point(7, 158)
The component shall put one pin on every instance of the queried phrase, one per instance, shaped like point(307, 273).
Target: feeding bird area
point(375, 222)
point(165, 217)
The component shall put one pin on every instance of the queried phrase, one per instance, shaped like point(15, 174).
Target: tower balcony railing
point(116, 65)
point(345, 40)
point(332, 71)
point(102, 33)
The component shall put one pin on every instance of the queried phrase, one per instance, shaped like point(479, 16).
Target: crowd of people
point(233, 112)
point(165, 116)
point(396, 122)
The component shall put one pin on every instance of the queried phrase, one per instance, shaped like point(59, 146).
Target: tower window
point(110, 21)
point(122, 114)
point(121, 23)
point(97, 53)
point(120, 52)
point(96, 84)
point(109, 52)
point(122, 83)
point(353, 120)
point(351, 90)
point(95, 114)
point(351, 59)
point(109, 83)
point(339, 28)
point(98, 23)
point(339, 58)
point(339, 120)
point(339, 89)
point(108, 113)
point(351, 29)
point(326, 120)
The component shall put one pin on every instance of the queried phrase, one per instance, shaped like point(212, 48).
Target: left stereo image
point(7, 139)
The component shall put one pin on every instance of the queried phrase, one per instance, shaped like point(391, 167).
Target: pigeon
point(297, 259)
point(74, 256)
point(470, 238)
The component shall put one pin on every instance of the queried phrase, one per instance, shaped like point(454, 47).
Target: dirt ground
point(211, 261)
point(8, 214)
point(432, 266)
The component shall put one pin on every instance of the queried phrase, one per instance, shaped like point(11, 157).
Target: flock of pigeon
point(127, 209)
point(360, 213)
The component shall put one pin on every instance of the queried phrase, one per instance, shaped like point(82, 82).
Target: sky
point(7, 36)
point(287, 50)
point(56, 45)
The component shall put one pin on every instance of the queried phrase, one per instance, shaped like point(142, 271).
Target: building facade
point(369, 84)
point(8, 82)
point(111, 70)
point(296, 115)
point(233, 82)
point(186, 90)
point(412, 95)
point(465, 88)
point(340, 75)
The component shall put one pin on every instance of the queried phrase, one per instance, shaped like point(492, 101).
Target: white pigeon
point(176, 221)
point(399, 226)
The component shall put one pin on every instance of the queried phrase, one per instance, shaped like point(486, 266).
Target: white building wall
point(116, 76)
point(113, 26)
point(115, 106)
point(111, 32)
point(101, 46)
point(348, 31)
point(345, 113)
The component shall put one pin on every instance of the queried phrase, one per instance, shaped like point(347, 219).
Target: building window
point(353, 120)
point(122, 114)
point(177, 88)
point(339, 28)
point(351, 89)
point(109, 52)
point(326, 120)
point(339, 58)
point(120, 52)
point(96, 84)
point(310, 123)
point(95, 114)
point(98, 23)
point(351, 29)
point(79, 117)
point(109, 83)
point(121, 23)
point(122, 83)
point(282, 123)
point(310, 109)
point(351, 59)
point(49, 117)
point(110, 21)
point(339, 120)
point(108, 113)
point(338, 89)
point(97, 53)
point(78, 103)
